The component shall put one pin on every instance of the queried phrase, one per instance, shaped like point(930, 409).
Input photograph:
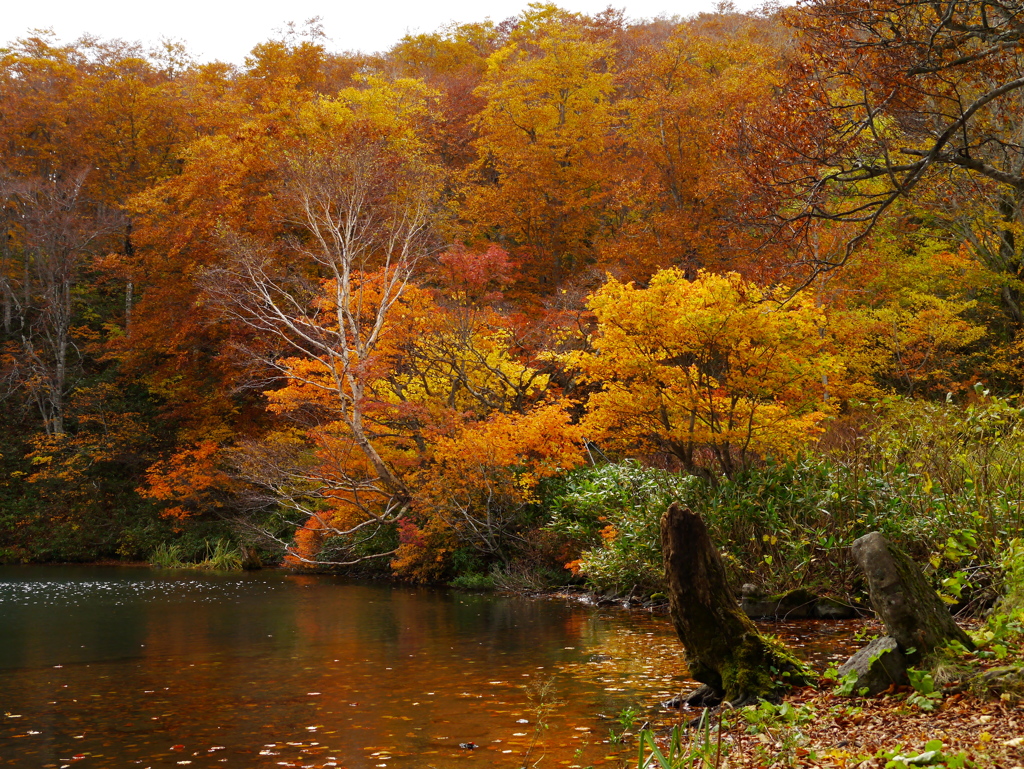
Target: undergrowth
point(944, 482)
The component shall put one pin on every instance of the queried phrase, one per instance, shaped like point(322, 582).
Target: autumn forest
point(475, 307)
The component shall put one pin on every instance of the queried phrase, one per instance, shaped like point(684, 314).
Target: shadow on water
point(113, 667)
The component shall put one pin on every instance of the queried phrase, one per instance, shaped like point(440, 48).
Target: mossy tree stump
point(724, 650)
point(907, 604)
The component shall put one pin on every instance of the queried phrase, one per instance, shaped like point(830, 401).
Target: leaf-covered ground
point(819, 728)
point(872, 732)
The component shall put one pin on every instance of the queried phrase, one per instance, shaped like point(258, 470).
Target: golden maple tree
point(711, 370)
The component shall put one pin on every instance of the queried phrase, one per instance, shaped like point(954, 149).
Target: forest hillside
point(476, 307)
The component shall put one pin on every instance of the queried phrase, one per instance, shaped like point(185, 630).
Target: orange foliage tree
point(479, 484)
point(887, 98)
point(681, 203)
point(361, 194)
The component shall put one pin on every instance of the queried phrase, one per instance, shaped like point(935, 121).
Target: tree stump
point(724, 651)
point(911, 610)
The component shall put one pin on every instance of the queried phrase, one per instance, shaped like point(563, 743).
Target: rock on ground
point(877, 666)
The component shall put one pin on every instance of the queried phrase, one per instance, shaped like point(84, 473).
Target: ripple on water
point(120, 592)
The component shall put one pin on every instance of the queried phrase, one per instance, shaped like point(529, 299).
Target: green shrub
point(944, 482)
point(223, 555)
point(1012, 563)
point(473, 582)
point(611, 514)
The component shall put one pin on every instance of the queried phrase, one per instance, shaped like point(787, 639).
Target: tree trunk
point(912, 611)
point(724, 651)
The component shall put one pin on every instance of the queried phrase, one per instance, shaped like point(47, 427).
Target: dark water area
point(125, 667)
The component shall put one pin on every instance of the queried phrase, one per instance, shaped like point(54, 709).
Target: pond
point(119, 667)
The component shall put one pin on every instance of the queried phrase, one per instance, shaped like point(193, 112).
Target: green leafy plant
point(627, 720)
point(683, 749)
point(612, 513)
point(223, 556)
point(781, 723)
point(1012, 563)
point(843, 684)
point(926, 695)
point(931, 755)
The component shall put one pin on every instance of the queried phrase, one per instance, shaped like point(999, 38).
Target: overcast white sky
point(219, 29)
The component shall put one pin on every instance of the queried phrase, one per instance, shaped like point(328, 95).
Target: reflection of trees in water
point(288, 661)
point(632, 659)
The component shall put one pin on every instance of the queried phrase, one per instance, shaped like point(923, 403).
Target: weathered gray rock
point(1004, 680)
point(912, 611)
point(796, 604)
point(829, 608)
point(878, 666)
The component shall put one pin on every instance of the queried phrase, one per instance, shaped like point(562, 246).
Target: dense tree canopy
point(366, 305)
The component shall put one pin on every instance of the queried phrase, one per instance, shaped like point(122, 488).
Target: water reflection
point(119, 667)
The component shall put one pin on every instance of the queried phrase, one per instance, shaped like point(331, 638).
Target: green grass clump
point(166, 557)
point(473, 581)
point(222, 555)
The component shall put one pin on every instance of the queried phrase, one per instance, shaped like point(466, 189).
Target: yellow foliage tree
point(544, 135)
point(908, 315)
point(710, 371)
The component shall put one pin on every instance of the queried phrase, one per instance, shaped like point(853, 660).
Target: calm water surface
point(124, 667)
